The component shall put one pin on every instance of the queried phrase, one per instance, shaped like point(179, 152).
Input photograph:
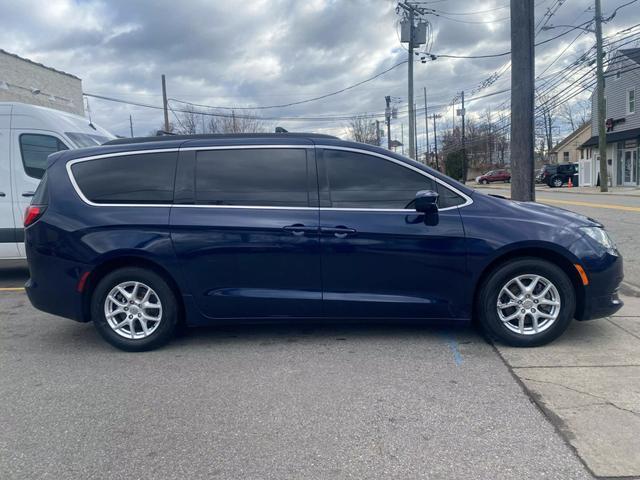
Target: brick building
point(22, 80)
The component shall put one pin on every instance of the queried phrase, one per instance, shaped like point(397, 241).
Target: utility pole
point(464, 149)
point(402, 135)
point(412, 153)
point(602, 135)
point(387, 116)
point(435, 141)
point(165, 105)
point(378, 132)
point(414, 36)
point(131, 125)
point(522, 100)
point(415, 131)
point(426, 122)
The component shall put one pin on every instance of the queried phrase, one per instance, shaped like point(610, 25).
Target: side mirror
point(426, 201)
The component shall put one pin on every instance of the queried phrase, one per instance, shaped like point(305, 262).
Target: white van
point(28, 134)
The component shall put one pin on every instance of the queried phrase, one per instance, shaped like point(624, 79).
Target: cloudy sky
point(253, 53)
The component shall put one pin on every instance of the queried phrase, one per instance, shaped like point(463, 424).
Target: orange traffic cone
point(570, 184)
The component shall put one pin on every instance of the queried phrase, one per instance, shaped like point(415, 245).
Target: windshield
point(82, 140)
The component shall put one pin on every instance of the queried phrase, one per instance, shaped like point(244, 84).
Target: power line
point(290, 104)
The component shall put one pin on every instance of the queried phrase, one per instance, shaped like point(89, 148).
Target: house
point(568, 150)
point(622, 86)
point(25, 81)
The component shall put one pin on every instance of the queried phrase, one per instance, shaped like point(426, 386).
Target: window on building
point(631, 100)
point(565, 156)
point(35, 149)
point(618, 75)
point(271, 177)
point(130, 179)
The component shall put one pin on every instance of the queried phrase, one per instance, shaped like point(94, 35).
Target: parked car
point(140, 235)
point(494, 176)
point(28, 134)
point(558, 174)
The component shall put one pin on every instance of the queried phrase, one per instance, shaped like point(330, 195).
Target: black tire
point(168, 317)
point(488, 298)
point(556, 182)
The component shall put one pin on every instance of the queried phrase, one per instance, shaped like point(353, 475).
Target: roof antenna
point(281, 130)
point(89, 113)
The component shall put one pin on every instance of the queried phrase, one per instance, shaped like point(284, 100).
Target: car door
point(246, 233)
point(381, 258)
point(29, 160)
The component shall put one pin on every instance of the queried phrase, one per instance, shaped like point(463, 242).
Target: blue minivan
point(140, 235)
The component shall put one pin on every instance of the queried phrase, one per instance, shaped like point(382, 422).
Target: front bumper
point(601, 295)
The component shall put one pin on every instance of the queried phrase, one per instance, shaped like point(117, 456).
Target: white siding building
point(22, 80)
point(622, 86)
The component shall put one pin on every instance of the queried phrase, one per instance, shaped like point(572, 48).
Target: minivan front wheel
point(526, 303)
point(134, 309)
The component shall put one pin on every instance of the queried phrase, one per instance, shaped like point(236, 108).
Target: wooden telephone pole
point(522, 100)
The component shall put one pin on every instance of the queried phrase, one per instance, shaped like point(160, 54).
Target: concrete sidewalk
point(588, 384)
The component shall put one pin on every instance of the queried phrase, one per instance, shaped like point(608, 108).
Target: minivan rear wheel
point(526, 303)
point(134, 309)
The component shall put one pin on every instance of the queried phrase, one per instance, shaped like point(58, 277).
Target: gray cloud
point(260, 52)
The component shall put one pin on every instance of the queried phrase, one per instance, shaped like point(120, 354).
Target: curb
point(565, 191)
point(629, 289)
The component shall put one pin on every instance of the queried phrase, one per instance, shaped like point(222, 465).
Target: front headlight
point(600, 236)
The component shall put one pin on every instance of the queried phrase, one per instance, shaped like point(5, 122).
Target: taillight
point(33, 213)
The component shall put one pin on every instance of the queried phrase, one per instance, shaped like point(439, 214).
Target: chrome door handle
point(28, 194)
point(299, 229)
point(339, 231)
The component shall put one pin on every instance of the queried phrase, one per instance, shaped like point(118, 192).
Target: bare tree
point(577, 113)
point(363, 129)
point(188, 121)
point(246, 122)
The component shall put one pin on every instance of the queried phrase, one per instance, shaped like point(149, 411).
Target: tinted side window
point(35, 149)
point(357, 180)
point(141, 179)
point(274, 177)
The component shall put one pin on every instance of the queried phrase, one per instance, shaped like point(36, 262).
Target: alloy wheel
point(133, 310)
point(528, 304)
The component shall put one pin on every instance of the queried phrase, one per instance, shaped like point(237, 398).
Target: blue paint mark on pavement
point(453, 346)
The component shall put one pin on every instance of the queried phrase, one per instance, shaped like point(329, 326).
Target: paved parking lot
point(319, 401)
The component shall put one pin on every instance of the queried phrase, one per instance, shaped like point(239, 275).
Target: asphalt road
point(272, 402)
point(620, 214)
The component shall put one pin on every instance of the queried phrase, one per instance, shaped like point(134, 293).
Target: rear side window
point(35, 148)
point(131, 179)
point(362, 181)
point(252, 177)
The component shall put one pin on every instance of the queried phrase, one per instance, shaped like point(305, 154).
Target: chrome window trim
point(76, 187)
point(468, 200)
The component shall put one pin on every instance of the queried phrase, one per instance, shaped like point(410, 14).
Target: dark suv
point(558, 174)
point(139, 235)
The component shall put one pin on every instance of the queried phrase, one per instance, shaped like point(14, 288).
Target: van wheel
point(526, 303)
point(556, 182)
point(134, 309)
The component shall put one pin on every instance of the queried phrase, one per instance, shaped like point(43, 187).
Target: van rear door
point(30, 149)
point(8, 245)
